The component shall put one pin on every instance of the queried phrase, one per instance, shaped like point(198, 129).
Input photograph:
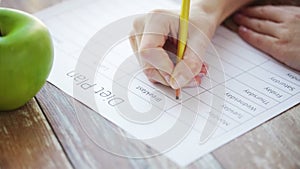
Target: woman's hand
point(274, 30)
point(154, 39)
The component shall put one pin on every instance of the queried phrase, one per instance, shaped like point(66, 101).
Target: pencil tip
point(177, 97)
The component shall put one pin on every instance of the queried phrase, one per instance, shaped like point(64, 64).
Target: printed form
point(249, 88)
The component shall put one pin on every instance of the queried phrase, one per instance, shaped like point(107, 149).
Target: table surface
point(45, 133)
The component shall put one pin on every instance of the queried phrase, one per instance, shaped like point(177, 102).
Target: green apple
point(26, 56)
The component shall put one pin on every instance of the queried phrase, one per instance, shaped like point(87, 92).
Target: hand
point(274, 30)
point(154, 38)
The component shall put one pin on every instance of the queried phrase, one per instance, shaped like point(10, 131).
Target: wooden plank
point(63, 111)
point(27, 140)
point(275, 144)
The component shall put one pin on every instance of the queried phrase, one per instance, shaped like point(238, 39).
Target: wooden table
point(46, 134)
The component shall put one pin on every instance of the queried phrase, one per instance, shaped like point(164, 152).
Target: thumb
point(184, 72)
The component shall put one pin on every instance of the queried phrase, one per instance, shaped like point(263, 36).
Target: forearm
point(220, 9)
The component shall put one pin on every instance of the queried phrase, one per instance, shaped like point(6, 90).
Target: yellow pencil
point(183, 33)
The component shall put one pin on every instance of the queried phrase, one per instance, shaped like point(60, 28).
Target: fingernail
point(204, 69)
point(198, 80)
point(243, 29)
point(237, 16)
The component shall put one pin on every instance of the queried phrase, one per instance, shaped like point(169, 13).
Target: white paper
point(257, 88)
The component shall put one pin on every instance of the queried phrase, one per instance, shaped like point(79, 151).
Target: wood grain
point(71, 120)
point(275, 144)
point(27, 141)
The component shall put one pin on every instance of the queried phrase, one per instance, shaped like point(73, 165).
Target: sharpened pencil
point(183, 33)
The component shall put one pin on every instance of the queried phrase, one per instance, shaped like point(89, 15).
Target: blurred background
point(30, 6)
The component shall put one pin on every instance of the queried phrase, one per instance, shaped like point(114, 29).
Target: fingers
point(259, 27)
point(186, 70)
point(192, 62)
point(133, 42)
point(263, 42)
point(158, 26)
point(196, 81)
point(138, 28)
point(270, 12)
point(262, 26)
point(156, 34)
point(154, 76)
point(136, 36)
point(158, 58)
point(148, 39)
